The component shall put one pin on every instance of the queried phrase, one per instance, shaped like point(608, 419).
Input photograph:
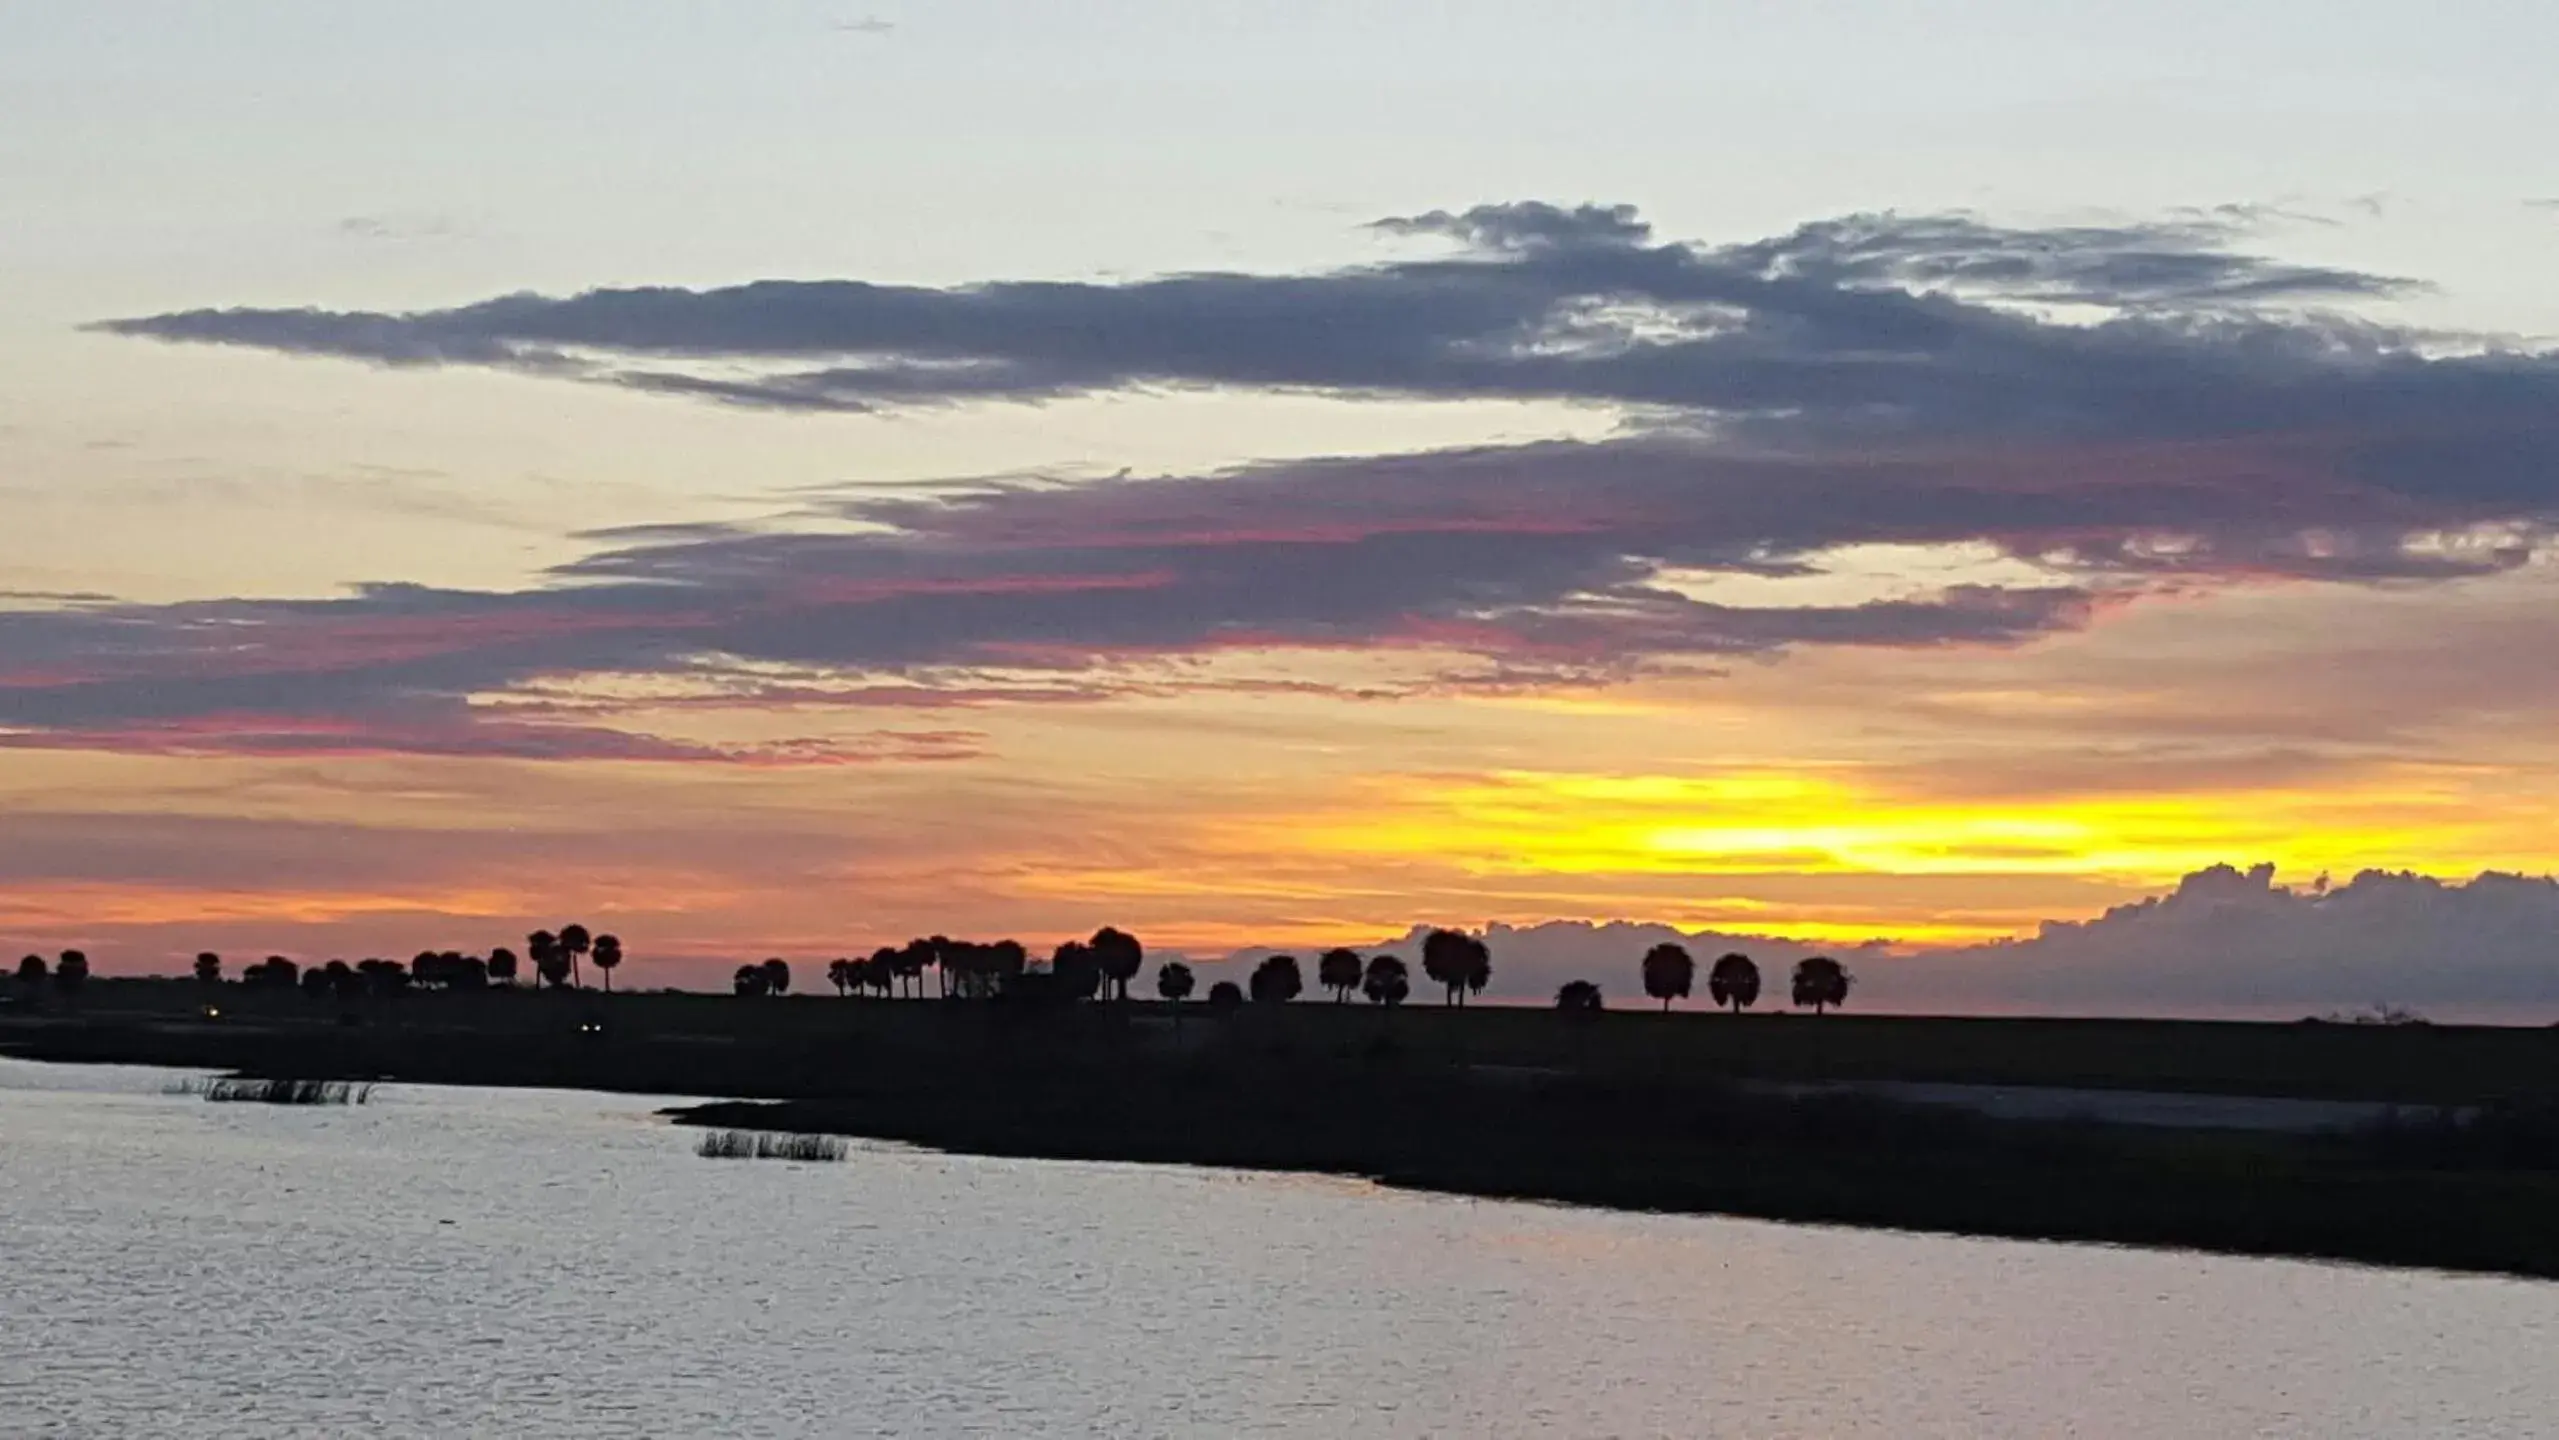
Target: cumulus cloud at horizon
point(2222, 943)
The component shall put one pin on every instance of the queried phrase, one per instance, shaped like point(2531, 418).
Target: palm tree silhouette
point(1173, 981)
point(502, 966)
point(1000, 964)
point(608, 957)
point(777, 975)
point(575, 943)
point(1734, 981)
point(1386, 982)
point(912, 959)
point(208, 969)
point(1076, 970)
point(749, 980)
point(839, 973)
point(1277, 980)
point(1668, 973)
point(1457, 961)
point(1338, 970)
point(1120, 956)
point(961, 964)
point(542, 952)
point(1821, 982)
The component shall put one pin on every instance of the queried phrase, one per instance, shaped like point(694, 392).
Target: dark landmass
point(1621, 1109)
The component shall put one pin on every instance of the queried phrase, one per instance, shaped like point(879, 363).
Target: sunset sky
point(780, 478)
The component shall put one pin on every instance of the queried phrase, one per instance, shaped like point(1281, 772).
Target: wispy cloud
point(1877, 323)
point(400, 226)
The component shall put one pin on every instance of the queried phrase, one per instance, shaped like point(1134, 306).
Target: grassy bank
point(784, 1047)
point(1626, 1110)
point(2431, 1194)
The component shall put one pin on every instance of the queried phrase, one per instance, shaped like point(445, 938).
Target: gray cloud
point(1528, 225)
point(1873, 379)
point(1547, 560)
point(2228, 941)
point(1867, 331)
point(1005, 579)
point(1876, 324)
point(400, 227)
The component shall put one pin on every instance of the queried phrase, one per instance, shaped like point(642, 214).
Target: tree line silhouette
point(1101, 966)
point(1819, 982)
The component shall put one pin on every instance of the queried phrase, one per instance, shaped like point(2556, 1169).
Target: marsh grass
point(753, 1145)
point(277, 1092)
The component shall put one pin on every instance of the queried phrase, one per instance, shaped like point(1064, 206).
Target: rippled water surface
point(534, 1263)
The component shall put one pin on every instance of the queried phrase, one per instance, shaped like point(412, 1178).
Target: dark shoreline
point(1836, 1161)
point(1314, 1089)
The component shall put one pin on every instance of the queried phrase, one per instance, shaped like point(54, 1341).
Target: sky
point(781, 478)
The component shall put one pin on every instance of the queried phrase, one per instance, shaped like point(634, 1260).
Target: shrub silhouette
point(502, 966)
point(1075, 971)
point(71, 972)
point(273, 973)
point(1276, 981)
point(1224, 998)
point(449, 970)
point(1668, 973)
point(1578, 997)
point(1387, 982)
point(389, 977)
point(749, 980)
point(344, 980)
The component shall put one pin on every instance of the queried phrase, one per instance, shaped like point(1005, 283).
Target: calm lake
point(448, 1262)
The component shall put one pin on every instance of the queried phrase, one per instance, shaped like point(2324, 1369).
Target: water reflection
point(444, 1262)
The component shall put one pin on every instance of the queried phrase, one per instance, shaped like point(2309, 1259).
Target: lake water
point(448, 1262)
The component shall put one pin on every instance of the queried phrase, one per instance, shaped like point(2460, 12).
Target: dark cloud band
point(2123, 407)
